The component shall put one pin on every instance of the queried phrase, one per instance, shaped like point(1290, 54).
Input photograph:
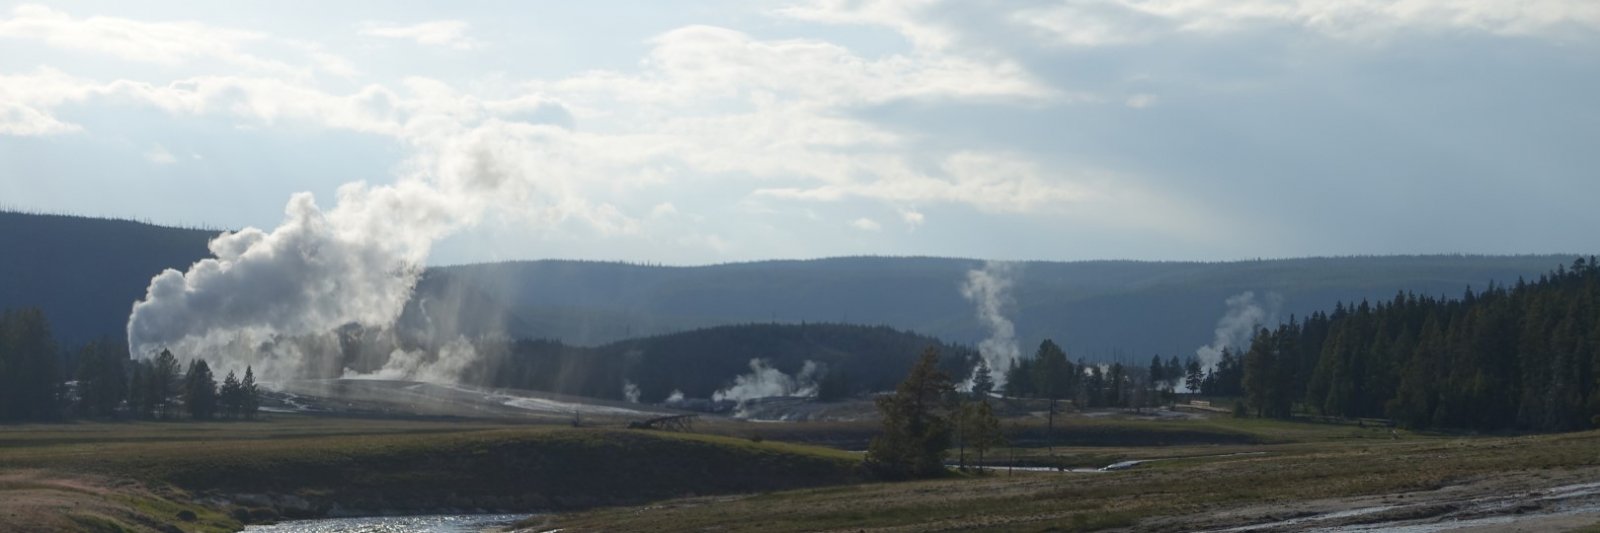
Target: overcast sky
point(720, 131)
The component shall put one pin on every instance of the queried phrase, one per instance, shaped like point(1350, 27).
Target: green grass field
point(304, 466)
point(1294, 468)
point(735, 476)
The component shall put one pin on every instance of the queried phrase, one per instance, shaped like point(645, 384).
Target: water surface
point(451, 523)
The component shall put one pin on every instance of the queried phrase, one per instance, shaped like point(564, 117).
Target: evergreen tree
point(1193, 376)
point(1019, 379)
point(230, 396)
point(30, 387)
point(980, 428)
point(1157, 372)
point(982, 382)
point(102, 379)
point(249, 397)
point(916, 423)
point(1051, 375)
point(200, 391)
point(162, 386)
point(139, 403)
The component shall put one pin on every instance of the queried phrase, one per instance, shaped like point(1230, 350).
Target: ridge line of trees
point(106, 383)
point(1521, 357)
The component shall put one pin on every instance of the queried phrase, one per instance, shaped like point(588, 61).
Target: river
point(452, 523)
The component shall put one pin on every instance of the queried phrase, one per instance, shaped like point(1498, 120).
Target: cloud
point(1141, 101)
point(160, 156)
point(866, 224)
point(164, 43)
point(991, 182)
point(663, 210)
point(912, 218)
point(442, 33)
point(904, 16)
point(1121, 22)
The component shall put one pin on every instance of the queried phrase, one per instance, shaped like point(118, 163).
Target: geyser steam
point(265, 292)
point(989, 289)
point(1236, 327)
point(764, 381)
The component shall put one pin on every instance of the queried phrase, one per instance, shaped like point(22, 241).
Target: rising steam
point(989, 289)
point(630, 391)
point(764, 381)
point(264, 293)
point(1238, 325)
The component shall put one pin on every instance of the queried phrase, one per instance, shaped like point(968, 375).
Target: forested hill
point(85, 273)
point(843, 359)
point(1523, 356)
point(1096, 309)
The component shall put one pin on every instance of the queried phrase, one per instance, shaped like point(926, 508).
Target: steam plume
point(989, 289)
point(763, 381)
point(318, 271)
point(1245, 314)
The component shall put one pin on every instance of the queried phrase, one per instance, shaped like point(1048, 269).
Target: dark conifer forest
point(1521, 356)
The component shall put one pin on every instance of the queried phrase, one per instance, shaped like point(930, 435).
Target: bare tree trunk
point(1050, 431)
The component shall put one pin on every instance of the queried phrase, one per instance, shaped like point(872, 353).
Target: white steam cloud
point(989, 289)
point(630, 391)
point(264, 292)
point(764, 381)
point(1245, 314)
point(444, 366)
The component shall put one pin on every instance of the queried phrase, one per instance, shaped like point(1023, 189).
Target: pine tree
point(200, 391)
point(102, 380)
point(30, 388)
point(1019, 379)
point(249, 397)
point(1193, 376)
point(163, 386)
point(916, 423)
point(230, 396)
point(981, 428)
point(139, 404)
point(982, 381)
point(1051, 370)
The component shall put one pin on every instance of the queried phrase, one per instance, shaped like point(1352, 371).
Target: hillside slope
point(85, 273)
point(1100, 309)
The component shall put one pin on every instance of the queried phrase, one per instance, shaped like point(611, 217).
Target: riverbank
point(1317, 476)
point(219, 476)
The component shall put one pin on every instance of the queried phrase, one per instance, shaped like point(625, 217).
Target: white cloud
point(444, 33)
point(23, 121)
point(160, 156)
point(912, 218)
point(901, 15)
point(866, 224)
point(1120, 22)
point(165, 43)
point(663, 210)
point(26, 101)
point(1141, 101)
point(996, 183)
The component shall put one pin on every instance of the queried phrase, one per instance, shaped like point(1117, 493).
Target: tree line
point(925, 415)
point(1507, 357)
point(1050, 374)
point(105, 383)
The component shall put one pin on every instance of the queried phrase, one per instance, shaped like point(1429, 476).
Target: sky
point(708, 132)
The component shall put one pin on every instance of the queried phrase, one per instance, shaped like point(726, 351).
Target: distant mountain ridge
point(1101, 309)
point(86, 273)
